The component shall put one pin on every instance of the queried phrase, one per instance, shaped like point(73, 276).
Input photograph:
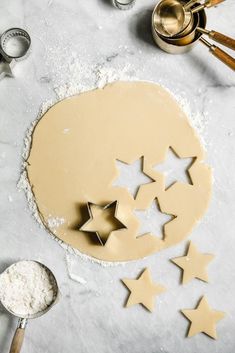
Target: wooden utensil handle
point(224, 57)
point(17, 341)
point(214, 2)
point(222, 39)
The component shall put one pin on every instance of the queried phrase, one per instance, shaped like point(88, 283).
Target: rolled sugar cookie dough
point(73, 156)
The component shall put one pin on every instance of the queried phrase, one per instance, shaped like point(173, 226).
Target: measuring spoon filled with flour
point(28, 289)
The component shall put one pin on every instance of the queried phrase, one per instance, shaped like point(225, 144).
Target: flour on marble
point(75, 277)
point(84, 78)
point(27, 288)
point(23, 184)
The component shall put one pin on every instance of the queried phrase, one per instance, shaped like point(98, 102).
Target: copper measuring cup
point(18, 338)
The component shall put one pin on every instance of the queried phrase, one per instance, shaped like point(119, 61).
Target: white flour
point(27, 288)
point(54, 222)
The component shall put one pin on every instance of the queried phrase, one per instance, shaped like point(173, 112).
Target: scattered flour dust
point(55, 222)
point(72, 274)
point(27, 288)
point(82, 78)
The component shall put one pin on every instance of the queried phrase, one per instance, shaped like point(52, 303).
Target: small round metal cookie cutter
point(14, 44)
point(124, 4)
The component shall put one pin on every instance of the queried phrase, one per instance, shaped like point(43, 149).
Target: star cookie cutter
point(14, 46)
point(101, 237)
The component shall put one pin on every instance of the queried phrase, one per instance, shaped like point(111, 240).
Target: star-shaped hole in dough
point(203, 319)
point(193, 264)
point(175, 169)
point(153, 220)
point(103, 221)
point(143, 290)
point(131, 176)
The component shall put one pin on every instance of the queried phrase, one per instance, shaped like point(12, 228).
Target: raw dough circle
point(72, 162)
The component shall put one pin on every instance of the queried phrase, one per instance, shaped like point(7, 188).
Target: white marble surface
point(90, 316)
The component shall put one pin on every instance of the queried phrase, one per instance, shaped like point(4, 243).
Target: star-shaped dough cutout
point(143, 290)
point(131, 176)
point(175, 169)
point(153, 220)
point(203, 319)
point(103, 221)
point(193, 264)
point(5, 68)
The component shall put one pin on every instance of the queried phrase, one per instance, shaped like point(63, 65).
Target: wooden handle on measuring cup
point(211, 3)
point(222, 39)
point(208, 4)
point(222, 56)
point(17, 341)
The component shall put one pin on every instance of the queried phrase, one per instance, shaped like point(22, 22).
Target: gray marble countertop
point(74, 41)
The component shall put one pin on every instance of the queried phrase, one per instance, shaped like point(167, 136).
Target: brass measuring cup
point(172, 48)
point(18, 338)
point(186, 43)
point(174, 17)
point(170, 17)
point(216, 36)
point(187, 38)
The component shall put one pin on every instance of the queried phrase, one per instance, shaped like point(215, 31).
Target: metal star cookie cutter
point(124, 4)
point(14, 46)
point(101, 238)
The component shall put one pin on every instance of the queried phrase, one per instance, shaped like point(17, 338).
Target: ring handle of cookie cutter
point(18, 338)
